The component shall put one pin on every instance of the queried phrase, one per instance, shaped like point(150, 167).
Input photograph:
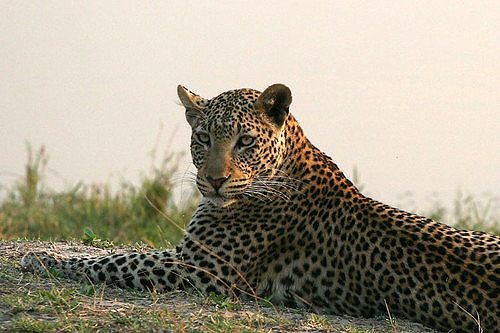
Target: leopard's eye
point(203, 138)
point(246, 141)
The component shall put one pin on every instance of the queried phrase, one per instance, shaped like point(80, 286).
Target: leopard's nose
point(217, 182)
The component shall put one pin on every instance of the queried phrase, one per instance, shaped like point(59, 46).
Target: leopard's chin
point(218, 200)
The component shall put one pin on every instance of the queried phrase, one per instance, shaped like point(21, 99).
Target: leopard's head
point(237, 141)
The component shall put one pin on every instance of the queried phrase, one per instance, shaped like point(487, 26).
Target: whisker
point(282, 186)
point(269, 192)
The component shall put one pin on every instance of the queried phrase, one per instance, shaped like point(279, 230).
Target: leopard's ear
point(275, 102)
point(193, 103)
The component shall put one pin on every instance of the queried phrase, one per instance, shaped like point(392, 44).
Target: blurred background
point(404, 96)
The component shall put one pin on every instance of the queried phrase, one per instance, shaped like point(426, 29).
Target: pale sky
point(407, 91)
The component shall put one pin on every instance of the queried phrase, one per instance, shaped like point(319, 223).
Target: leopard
point(278, 220)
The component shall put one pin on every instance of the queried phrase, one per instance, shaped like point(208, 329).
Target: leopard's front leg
point(158, 270)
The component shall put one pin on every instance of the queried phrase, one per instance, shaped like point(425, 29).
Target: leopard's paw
point(40, 262)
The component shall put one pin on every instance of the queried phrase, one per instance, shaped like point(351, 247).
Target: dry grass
point(30, 303)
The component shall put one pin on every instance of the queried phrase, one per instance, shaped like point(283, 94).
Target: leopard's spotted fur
point(279, 219)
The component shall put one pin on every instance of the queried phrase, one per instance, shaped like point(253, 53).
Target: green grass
point(145, 212)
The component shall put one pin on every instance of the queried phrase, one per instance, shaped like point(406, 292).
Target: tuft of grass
point(144, 212)
point(468, 212)
point(223, 302)
point(29, 324)
point(473, 214)
point(59, 299)
point(90, 238)
point(391, 321)
point(318, 322)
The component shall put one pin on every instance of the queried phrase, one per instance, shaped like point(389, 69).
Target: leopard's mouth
point(219, 200)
